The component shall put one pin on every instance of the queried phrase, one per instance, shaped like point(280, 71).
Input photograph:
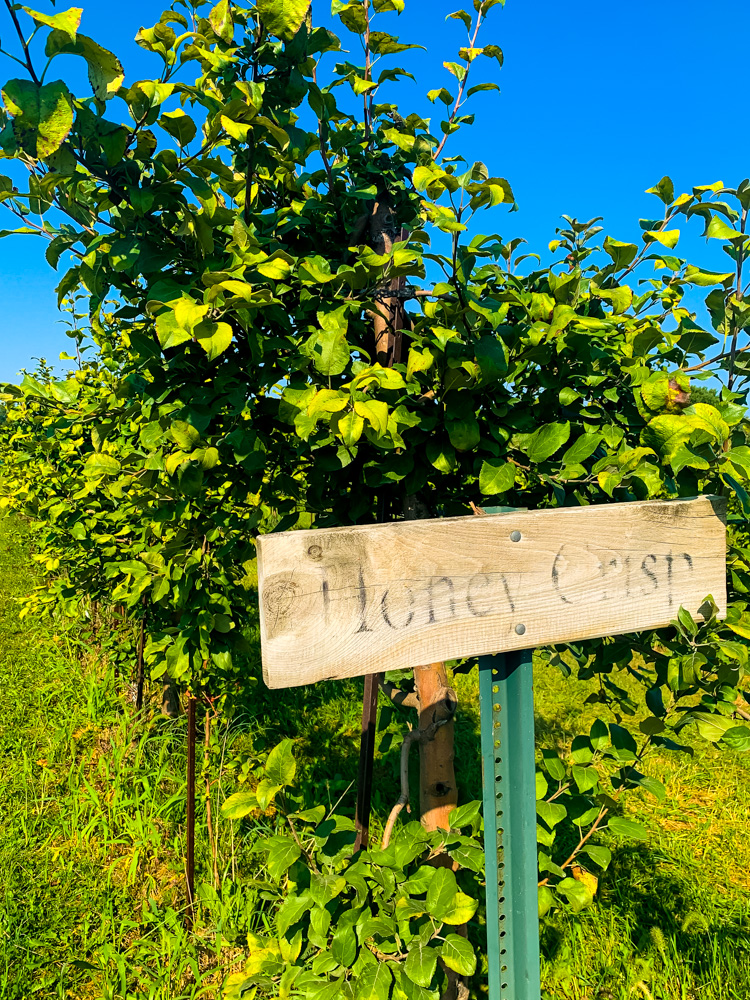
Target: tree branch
point(404, 699)
point(414, 736)
point(19, 32)
point(461, 89)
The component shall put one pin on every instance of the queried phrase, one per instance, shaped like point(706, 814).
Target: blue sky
point(598, 100)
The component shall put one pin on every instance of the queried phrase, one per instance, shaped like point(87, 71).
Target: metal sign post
point(342, 602)
point(508, 782)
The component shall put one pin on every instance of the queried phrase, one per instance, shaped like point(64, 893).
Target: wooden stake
point(190, 855)
point(209, 819)
point(366, 761)
point(140, 670)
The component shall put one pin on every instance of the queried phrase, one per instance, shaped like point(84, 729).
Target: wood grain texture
point(340, 602)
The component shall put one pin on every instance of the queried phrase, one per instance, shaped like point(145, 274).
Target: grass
point(92, 832)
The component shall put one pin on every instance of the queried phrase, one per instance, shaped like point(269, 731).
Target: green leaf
point(702, 278)
point(546, 899)
point(493, 52)
point(375, 412)
point(577, 894)
point(282, 18)
point(41, 117)
point(282, 852)
point(349, 426)
point(469, 857)
point(330, 352)
point(712, 727)
point(551, 812)
point(344, 945)
point(708, 416)
point(179, 125)
point(277, 268)
point(717, 229)
point(545, 441)
point(664, 190)
point(581, 449)
point(599, 855)
point(496, 477)
point(461, 910)
point(553, 765)
point(666, 433)
point(186, 436)
point(98, 464)
point(623, 254)
point(463, 433)
point(190, 477)
point(492, 358)
point(585, 778)
point(599, 735)
point(458, 954)
point(421, 963)
point(266, 792)
point(667, 237)
point(628, 828)
point(541, 785)
point(239, 805)
point(214, 338)
point(441, 892)
point(465, 815)
point(315, 270)
point(738, 738)
point(442, 456)
point(461, 15)
point(480, 87)
point(220, 19)
point(652, 726)
point(374, 982)
point(281, 766)
point(66, 21)
point(653, 786)
point(105, 69)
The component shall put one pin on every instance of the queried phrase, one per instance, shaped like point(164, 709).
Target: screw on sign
point(341, 602)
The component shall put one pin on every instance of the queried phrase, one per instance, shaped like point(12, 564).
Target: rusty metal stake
point(139, 680)
point(366, 761)
point(190, 856)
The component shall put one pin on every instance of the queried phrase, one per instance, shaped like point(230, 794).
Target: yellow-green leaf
point(214, 338)
point(41, 116)
point(105, 69)
point(667, 237)
point(282, 18)
point(66, 21)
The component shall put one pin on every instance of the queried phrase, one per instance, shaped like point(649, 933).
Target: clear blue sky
point(598, 100)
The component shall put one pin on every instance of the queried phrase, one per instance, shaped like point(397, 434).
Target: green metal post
point(507, 721)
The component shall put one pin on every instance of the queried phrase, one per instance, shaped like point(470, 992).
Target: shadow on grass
point(650, 910)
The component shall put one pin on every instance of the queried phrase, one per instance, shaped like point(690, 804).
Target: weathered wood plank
point(340, 602)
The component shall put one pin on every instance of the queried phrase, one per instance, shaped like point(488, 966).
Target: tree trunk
point(437, 779)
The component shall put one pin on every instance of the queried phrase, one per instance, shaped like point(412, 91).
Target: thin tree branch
point(414, 736)
point(461, 89)
point(712, 361)
point(576, 851)
point(404, 699)
point(24, 43)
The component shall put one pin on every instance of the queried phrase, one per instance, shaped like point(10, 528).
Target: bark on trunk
point(437, 779)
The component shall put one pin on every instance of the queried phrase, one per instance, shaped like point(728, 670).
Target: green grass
point(92, 832)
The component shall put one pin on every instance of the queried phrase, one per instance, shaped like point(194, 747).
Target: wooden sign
point(341, 602)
